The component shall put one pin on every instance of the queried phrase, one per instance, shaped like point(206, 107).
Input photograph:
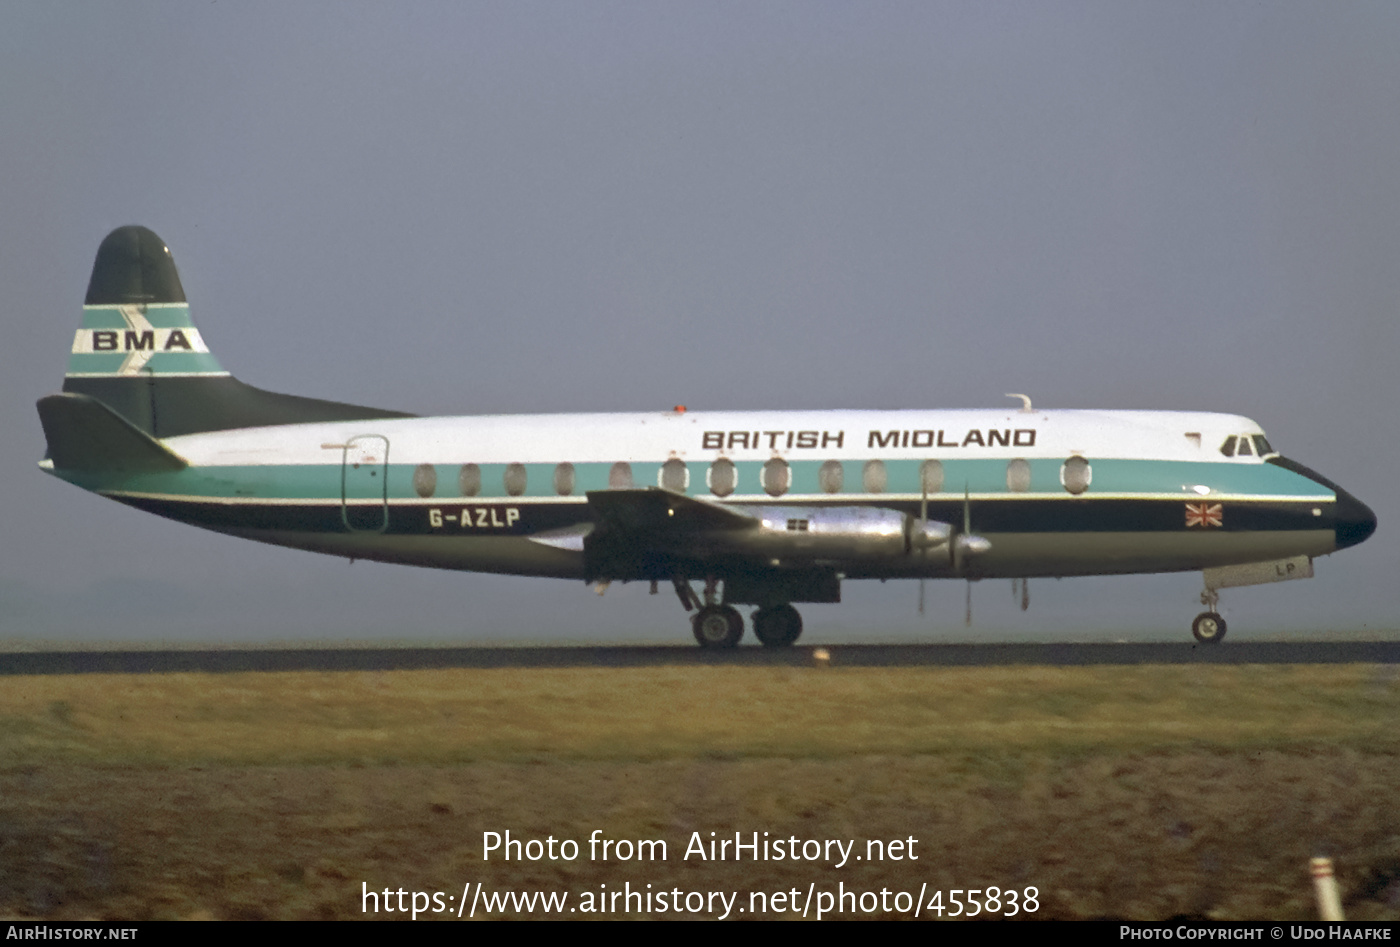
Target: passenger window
point(1228, 448)
point(425, 480)
point(620, 476)
point(1018, 476)
point(831, 476)
point(723, 477)
point(1076, 475)
point(874, 476)
point(776, 477)
point(564, 479)
point(931, 476)
point(469, 480)
point(515, 479)
point(674, 475)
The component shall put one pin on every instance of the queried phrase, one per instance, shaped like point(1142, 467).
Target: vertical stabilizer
point(136, 321)
point(139, 353)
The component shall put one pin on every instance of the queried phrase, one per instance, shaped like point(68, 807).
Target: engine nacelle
point(815, 533)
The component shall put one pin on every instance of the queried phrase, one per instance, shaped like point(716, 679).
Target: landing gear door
point(364, 484)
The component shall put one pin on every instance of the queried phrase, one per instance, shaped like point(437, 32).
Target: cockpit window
point(1247, 445)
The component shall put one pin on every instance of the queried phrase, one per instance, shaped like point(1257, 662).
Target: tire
point(718, 626)
point(777, 627)
point(1208, 628)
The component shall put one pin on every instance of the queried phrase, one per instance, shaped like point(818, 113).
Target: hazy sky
point(484, 208)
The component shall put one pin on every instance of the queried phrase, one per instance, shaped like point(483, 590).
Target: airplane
point(765, 509)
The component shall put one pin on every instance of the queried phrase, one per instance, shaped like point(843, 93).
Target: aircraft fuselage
point(469, 493)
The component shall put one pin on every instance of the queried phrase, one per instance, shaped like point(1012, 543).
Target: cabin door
point(364, 484)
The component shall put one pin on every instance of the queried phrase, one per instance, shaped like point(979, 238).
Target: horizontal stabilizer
point(658, 509)
point(84, 434)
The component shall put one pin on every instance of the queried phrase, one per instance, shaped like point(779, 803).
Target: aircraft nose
point(1355, 520)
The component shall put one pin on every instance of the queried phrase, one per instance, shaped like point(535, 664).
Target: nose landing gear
point(1209, 627)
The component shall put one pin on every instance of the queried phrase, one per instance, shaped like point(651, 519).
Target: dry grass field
point(1133, 792)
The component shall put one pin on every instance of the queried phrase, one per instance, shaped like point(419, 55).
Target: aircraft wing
point(653, 532)
point(653, 510)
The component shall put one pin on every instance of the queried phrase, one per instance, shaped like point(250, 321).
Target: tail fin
point(139, 354)
point(136, 321)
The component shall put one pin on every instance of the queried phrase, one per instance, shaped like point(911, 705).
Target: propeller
point(923, 522)
point(927, 538)
point(1023, 587)
point(966, 546)
point(967, 510)
point(964, 543)
point(963, 548)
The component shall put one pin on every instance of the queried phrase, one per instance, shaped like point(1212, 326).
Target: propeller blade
point(960, 543)
point(963, 543)
point(966, 544)
point(923, 522)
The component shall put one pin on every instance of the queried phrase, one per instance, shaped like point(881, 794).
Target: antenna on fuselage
point(1025, 402)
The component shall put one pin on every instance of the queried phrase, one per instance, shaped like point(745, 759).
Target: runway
point(910, 655)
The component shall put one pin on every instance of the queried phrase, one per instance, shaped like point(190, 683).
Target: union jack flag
point(1204, 514)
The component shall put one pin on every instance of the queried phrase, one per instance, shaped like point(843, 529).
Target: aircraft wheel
point(718, 626)
point(777, 627)
point(1208, 628)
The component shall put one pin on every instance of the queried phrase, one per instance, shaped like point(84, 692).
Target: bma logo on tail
point(151, 338)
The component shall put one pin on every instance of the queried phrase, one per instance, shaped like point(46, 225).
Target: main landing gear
point(778, 626)
point(718, 626)
point(1209, 627)
point(721, 626)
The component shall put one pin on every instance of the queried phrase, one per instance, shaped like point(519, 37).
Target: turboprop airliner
point(763, 509)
